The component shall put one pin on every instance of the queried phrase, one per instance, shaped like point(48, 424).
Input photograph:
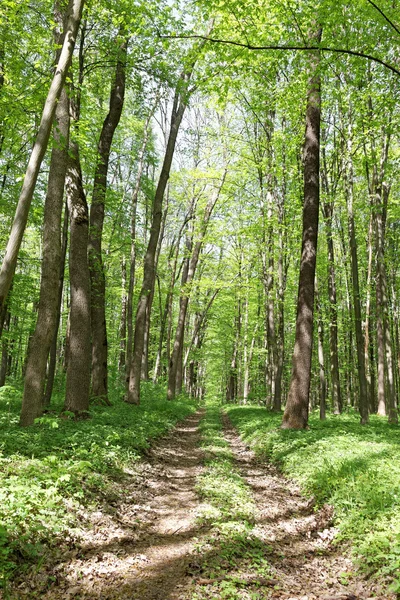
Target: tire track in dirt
point(138, 544)
point(305, 562)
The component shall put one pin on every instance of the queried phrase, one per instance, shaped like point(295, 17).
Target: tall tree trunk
point(39, 149)
point(97, 276)
point(51, 370)
point(40, 342)
point(132, 262)
point(178, 109)
point(282, 270)
point(362, 380)
point(333, 329)
point(385, 353)
point(296, 412)
point(79, 344)
point(321, 362)
point(368, 341)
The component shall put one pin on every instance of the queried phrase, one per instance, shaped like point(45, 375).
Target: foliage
point(50, 469)
point(356, 469)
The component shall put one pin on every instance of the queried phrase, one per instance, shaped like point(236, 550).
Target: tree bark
point(79, 345)
point(296, 411)
point(39, 149)
point(46, 325)
point(96, 267)
point(51, 370)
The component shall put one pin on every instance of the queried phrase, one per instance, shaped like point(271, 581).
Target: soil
point(142, 541)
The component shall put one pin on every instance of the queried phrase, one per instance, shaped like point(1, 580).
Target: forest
point(199, 299)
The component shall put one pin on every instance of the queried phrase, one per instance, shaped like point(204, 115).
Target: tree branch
point(289, 47)
point(380, 11)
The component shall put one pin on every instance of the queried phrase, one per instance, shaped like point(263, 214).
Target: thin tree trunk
point(321, 362)
point(185, 294)
point(132, 263)
point(296, 412)
point(122, 327)
point(4, 351)
point(369, 366)
point(97, 276)
point(133, 395)
point(333, 329)
point(39, 149)
point(362, 381)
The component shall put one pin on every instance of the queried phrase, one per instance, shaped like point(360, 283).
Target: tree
point(21, 216)
point(296, 411)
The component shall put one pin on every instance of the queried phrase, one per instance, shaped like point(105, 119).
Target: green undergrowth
point(229, 551)
point(50, 469)
point(354, 468)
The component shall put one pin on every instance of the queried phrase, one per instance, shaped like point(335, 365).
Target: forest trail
point(148, 543)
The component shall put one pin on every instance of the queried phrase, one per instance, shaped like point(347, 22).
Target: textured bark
point(97, 276)
point(79, 347)
point(51, 370)
point(39, 149)
point(40, 343)
point(296, 411)
point(133, 395)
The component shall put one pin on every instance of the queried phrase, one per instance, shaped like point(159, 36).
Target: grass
point(50, 469)
point(354, 468)
point(230, 550)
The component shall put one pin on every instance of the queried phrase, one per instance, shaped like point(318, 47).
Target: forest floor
point(150, 538)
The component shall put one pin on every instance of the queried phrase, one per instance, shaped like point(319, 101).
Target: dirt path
point(143, 544)
point(138, 544)
point(305, 563)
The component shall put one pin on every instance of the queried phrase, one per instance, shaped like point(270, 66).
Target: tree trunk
point(385, 354)
point(97, 276)
point(122, 327)
point(133, 395)
point(46, 325)
point(39, 149)
point(368, 341)
point(333, 329)
point(296, 412)
point(4, 351)
point(51, 370)
point(132, 263)
point(362, 381)
point(322, 379)
point(79, 350)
